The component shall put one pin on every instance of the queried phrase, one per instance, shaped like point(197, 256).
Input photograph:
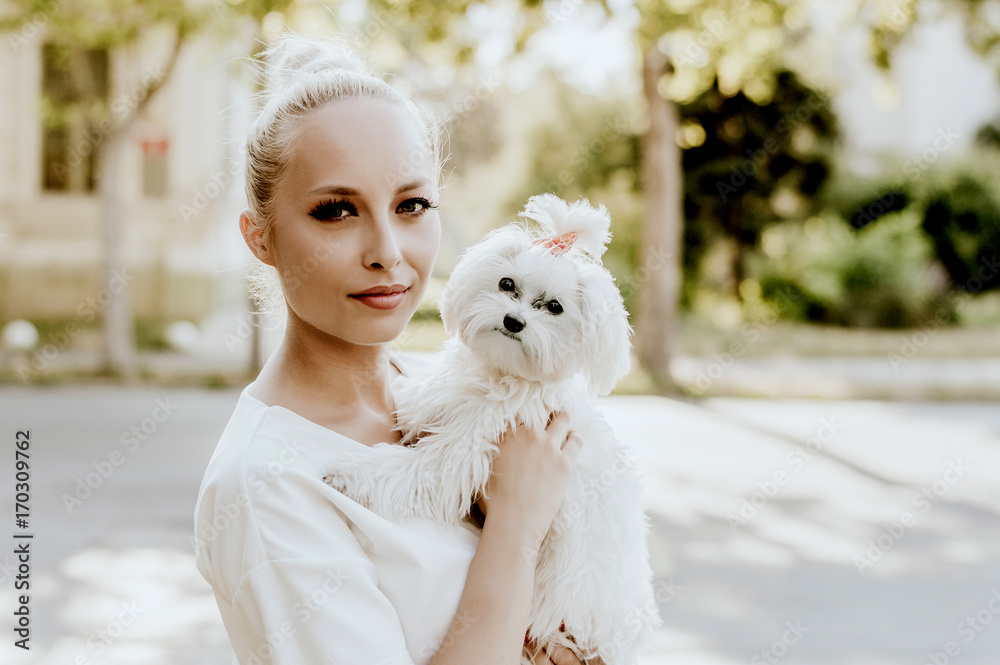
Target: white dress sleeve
point(315, 599)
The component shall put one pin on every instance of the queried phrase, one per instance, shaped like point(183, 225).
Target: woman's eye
point(506, 284)
point(554, 306)
point(415, 206)
point(328, 210)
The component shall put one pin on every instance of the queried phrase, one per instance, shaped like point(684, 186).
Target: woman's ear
point(255, 239)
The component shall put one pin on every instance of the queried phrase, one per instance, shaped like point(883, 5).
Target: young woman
point(342, 179)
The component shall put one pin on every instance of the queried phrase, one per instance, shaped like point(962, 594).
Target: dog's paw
point(338, 481)
point(341, 475)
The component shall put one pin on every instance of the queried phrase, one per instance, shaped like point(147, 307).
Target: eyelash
point(324, 210)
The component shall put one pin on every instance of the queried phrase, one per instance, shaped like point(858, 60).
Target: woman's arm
point(525, 490)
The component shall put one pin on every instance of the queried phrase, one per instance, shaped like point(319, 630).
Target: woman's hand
point(560, 656)
point(528, 477)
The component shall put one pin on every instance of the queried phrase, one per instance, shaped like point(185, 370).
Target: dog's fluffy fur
point(593, 570)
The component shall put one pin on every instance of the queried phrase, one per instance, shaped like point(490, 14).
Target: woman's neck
point(312, 370)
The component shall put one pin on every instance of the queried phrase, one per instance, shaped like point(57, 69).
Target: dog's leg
point(360, 475)
point(436, 479)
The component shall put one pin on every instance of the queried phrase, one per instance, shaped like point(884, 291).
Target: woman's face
point(355, 212)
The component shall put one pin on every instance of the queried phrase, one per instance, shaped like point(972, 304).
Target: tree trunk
point(738, 268)
point(119, 340)
point(660, 268)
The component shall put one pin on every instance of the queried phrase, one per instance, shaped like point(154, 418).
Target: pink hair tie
point(558, 245)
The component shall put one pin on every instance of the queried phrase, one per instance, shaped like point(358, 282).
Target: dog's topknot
point(591, 225)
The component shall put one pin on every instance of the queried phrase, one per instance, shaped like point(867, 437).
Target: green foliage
point(741, 42)
point(883, 276)
point(751, 165)
point(957, 204)
point(962, 219)
point(150, 334)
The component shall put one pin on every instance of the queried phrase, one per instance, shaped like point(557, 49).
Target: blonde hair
point(301, 75)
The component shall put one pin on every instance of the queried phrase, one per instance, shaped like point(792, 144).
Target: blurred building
point(178, 187)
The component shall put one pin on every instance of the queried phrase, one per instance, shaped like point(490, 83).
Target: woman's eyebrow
point(350, 191)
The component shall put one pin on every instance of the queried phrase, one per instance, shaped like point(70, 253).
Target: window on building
point(75, 85)
point(154, 167)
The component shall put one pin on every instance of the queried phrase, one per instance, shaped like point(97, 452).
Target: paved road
point(870, 533)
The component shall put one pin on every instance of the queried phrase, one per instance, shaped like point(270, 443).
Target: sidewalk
point(873, 377)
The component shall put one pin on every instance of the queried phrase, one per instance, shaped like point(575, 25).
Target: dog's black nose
point(513, 323)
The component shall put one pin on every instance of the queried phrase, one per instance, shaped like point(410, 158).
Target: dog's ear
point(605, 345)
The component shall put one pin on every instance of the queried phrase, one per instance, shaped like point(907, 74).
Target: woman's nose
point(383, 248)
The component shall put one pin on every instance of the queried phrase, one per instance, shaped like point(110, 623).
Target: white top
point(302, 574)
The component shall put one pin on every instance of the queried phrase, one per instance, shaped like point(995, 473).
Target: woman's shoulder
point(263, 480)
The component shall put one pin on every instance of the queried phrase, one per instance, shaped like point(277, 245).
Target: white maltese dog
point(537, 325)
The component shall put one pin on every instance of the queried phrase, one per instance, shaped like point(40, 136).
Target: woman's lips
point(385, 299)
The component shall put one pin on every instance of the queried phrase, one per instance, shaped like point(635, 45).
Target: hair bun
point(292, 57)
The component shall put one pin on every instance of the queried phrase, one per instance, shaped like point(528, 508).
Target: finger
point(558, 419)
point(562, 656)
point(513, 426)
point(558, 429)
point(571, 447)
point(538, 655)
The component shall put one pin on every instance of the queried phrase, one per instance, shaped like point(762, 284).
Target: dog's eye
point(506, 284)
point(554, 306)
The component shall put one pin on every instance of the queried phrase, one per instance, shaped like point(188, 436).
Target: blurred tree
point(960, 212)
point(748, 165)
point(72, 31)
point(962, 220)
point(687, 48)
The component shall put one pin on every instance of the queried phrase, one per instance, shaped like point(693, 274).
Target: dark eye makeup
point(334, 209)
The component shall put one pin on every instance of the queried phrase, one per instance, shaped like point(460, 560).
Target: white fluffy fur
point(593, 571)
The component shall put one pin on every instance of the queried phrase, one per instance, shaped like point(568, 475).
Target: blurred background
point(806, 233)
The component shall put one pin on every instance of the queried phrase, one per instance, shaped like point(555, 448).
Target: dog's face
point(528, 313)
